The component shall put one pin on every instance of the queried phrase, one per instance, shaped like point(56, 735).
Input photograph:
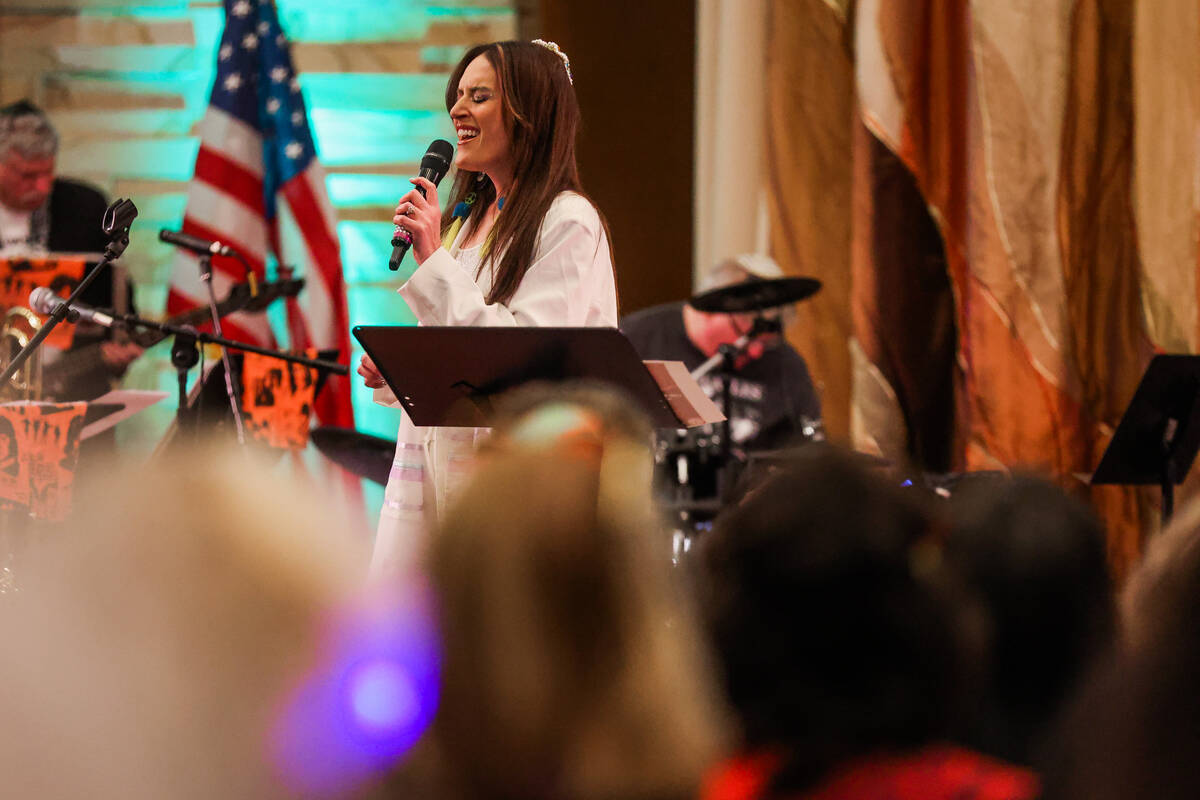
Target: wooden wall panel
point(23, 31)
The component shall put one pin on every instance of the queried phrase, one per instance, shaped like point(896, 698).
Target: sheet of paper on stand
point(683, 393)
point(129, 401)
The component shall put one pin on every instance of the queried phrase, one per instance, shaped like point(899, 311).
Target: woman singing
point(519, 244)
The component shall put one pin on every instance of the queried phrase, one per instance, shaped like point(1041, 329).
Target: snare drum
point(687, 468)
point(687, 485)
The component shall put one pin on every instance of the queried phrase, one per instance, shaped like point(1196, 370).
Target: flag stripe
point(315, 177)
point(236, 140)
point(188, 292)
point(213, 168)
point(322, 241)
point(249, 328)
point(329, 328)
point(232, 222)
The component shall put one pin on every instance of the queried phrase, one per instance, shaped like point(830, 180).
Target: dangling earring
point(479, 176)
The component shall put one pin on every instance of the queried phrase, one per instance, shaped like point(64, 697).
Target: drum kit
point(698, 470)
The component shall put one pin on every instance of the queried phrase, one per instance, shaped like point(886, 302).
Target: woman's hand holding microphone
point(420, 218)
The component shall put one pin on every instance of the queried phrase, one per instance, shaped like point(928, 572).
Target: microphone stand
point(184, 354)
point(234, 404)
point(117, 219)
point(726, 357)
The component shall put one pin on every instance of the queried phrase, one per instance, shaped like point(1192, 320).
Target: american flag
point(258, 187)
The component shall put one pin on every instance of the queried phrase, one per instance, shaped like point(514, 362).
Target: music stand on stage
point(1159, 433)
point(449, 376)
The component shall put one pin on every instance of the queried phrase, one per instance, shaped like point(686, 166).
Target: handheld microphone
point(195, 243)
point(44, 301)
point(434, 166)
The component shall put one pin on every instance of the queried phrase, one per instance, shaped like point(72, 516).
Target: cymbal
point(364, 455)
point(755, 295)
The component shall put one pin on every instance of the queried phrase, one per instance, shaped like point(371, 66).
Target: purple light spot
point(370, 697)
point(383, 698)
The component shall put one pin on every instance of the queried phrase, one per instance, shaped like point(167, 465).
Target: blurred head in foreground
point(570, 663)
point(838, 627)
point(1036, 557)
point(1151, 602)
point(1133, 730)
point(168, 636)
point(567, 408)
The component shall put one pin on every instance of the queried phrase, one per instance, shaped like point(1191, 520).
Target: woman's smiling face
point(484, 144)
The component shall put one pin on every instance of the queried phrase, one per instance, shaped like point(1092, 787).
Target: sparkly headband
point(553, 48)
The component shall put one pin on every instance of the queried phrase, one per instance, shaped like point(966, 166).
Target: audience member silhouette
point(846, 647)
point(1036, 557)
point(1135, 729)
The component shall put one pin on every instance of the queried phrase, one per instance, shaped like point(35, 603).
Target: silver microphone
point(45, 301)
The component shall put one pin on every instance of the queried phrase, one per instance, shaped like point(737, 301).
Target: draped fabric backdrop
point(1001, 198)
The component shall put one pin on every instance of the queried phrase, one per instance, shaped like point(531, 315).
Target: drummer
point(773, 403)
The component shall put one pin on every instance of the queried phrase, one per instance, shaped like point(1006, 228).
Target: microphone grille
point(41, 300)
point(438, 157)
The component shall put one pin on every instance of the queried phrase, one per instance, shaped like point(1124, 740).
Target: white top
point(469, 257)
point(14, 230)
point(570, 283)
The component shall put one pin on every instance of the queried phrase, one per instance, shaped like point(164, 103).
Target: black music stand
point(449, 376)
point(1159, 433)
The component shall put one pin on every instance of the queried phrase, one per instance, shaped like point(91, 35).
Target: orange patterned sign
point(20, 276)
point(39, 449)
point(277, 398)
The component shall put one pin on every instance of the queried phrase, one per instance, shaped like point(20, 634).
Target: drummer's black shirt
point(771, 395)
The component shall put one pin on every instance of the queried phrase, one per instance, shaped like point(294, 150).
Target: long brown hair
point(542, 115)
point(572, 667)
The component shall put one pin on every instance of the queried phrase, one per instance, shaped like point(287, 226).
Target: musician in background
point(42, 214)
point(774, 404)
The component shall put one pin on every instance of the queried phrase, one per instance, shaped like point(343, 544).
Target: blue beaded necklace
point(461, 210)
point(463, 207)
